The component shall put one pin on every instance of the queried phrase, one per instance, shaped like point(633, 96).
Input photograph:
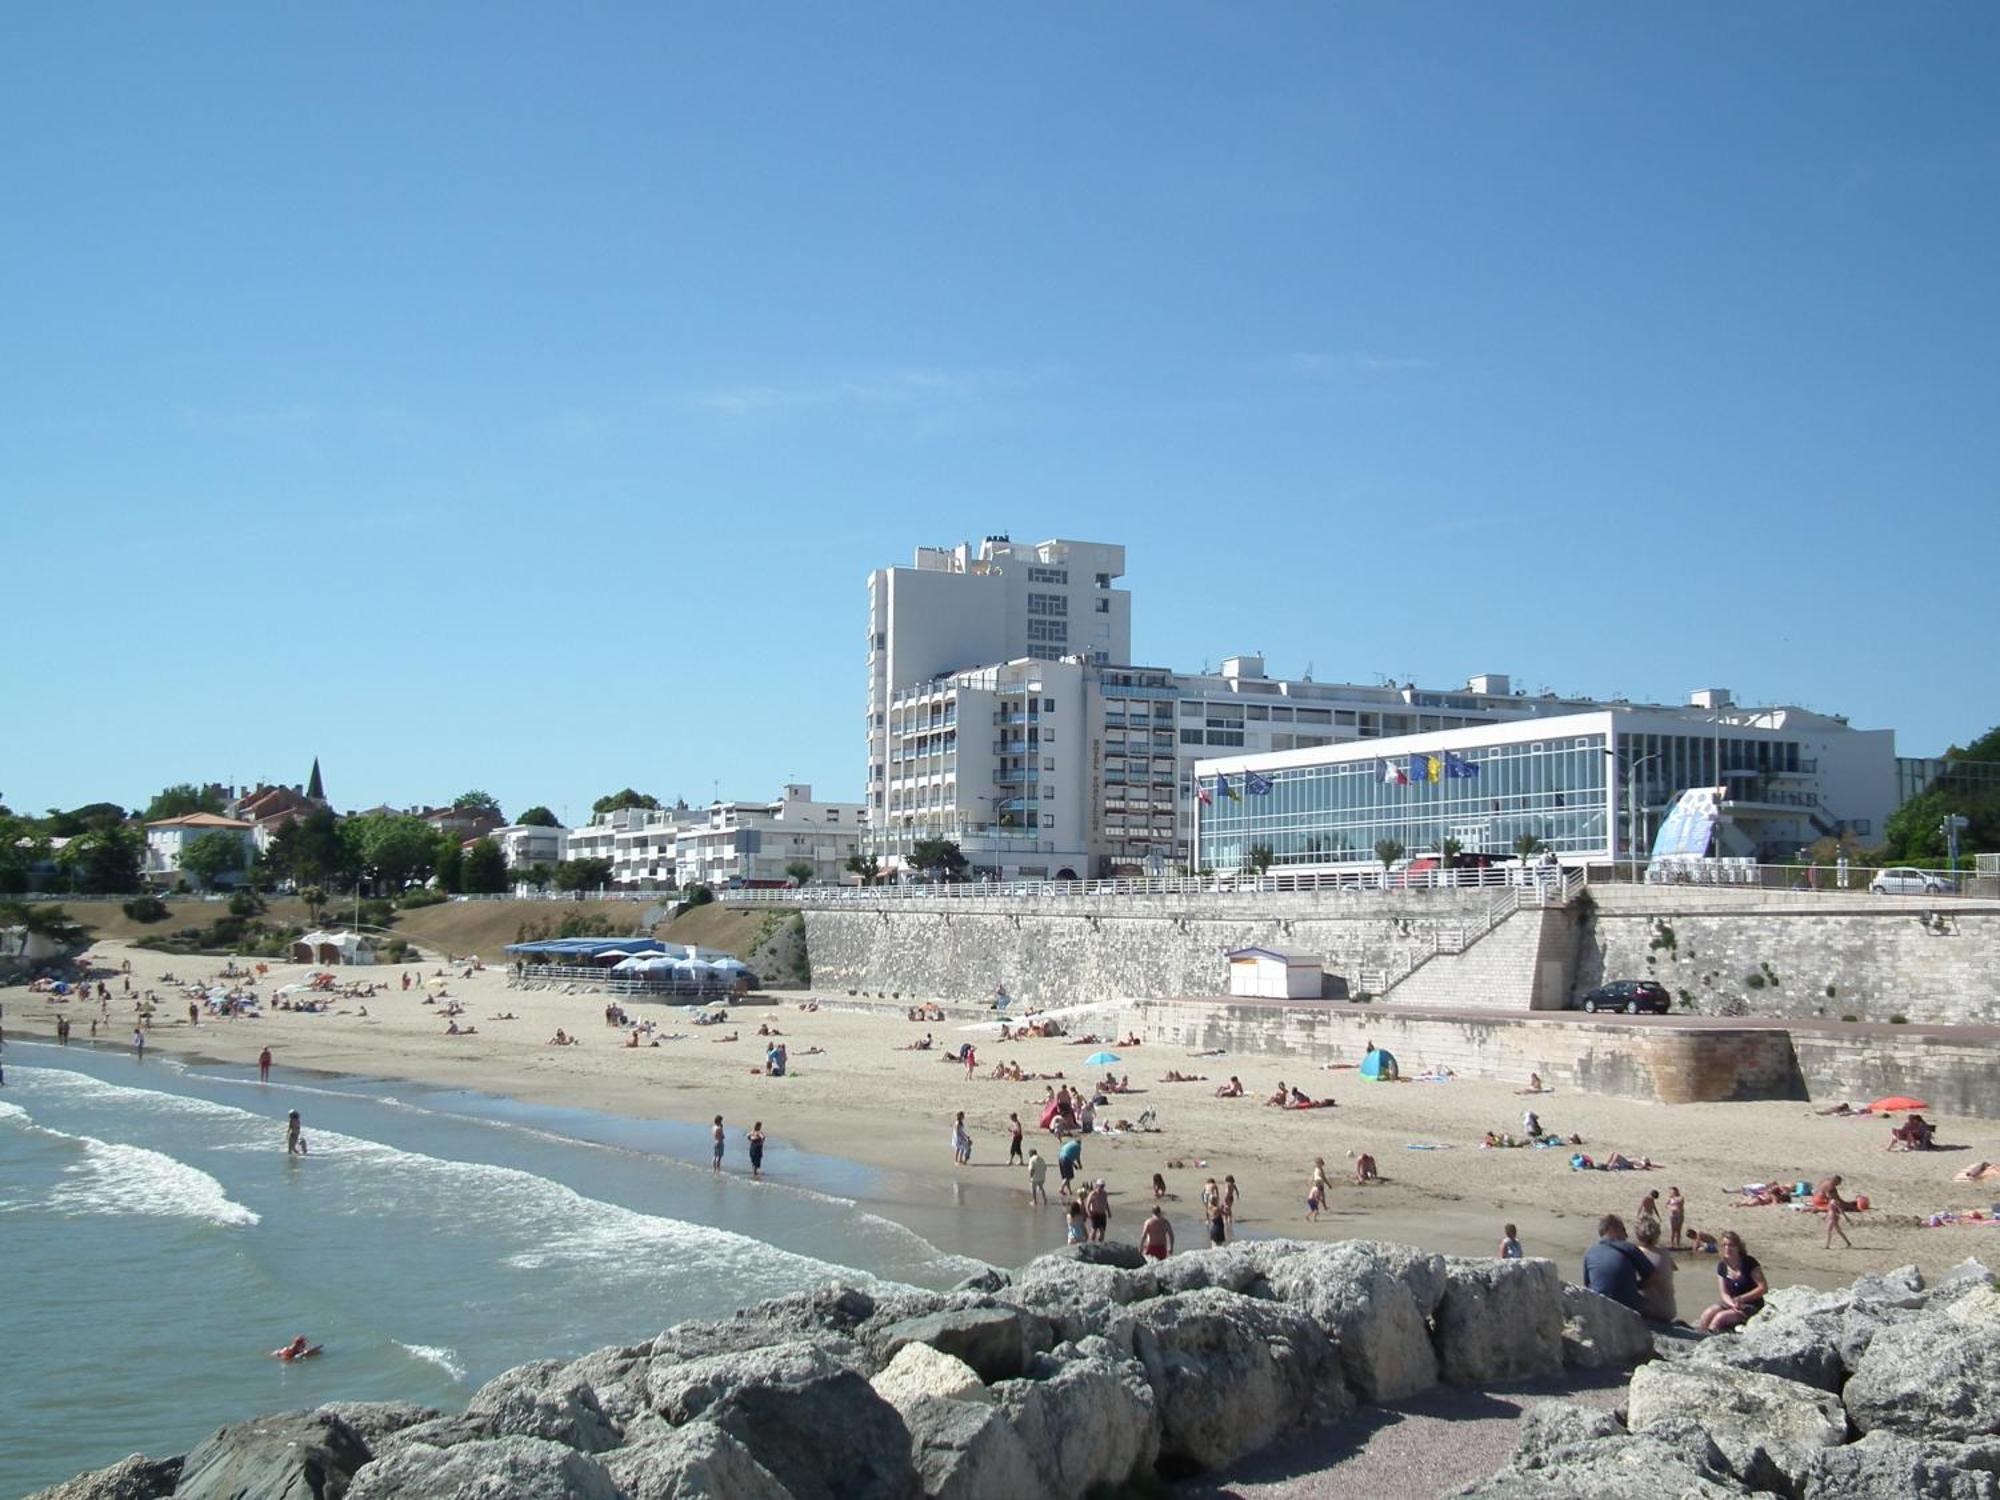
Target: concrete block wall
point(1522, 964)
point(1953, 1076)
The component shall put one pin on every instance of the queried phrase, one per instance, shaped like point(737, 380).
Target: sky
point(517, 396)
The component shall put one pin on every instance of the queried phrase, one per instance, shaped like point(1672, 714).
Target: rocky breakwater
point(1090, 1367)
point(1887, 1390)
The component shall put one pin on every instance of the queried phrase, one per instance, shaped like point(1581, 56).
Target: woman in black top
point(1741, 1284)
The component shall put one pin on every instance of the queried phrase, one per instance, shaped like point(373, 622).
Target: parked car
point(1902, 880)
point(1629, 995)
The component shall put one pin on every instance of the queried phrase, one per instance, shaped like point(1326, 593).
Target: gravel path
point(1428, 1446)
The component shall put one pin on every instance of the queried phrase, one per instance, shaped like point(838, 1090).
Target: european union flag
point(1458, 768)
point(1255, 785)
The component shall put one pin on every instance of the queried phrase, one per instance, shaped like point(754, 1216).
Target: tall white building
point(962, 607)
point(757, 842)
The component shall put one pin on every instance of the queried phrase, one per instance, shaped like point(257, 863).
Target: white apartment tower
point(964, 607)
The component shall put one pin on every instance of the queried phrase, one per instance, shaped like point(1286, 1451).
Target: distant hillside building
point(167, 841)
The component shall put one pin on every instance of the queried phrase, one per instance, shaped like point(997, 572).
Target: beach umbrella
point(611, 953)
point(1896, 1104)
point(1101, 1059)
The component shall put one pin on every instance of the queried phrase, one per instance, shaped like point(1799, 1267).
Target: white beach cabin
point(1275, 974)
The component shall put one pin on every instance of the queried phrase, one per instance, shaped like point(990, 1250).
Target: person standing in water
point(715, 1136)
point(295, 1141)
point(264, 1066)
point(756, 1139)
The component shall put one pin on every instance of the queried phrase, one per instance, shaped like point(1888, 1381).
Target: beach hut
point(1275, 974)
point(324, 947)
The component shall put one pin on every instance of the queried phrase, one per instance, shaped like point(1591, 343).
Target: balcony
point(1010, 747)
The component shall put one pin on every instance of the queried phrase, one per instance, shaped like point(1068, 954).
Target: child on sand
point(1510, 1243)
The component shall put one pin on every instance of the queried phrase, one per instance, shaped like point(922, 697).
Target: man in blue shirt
point(1614, 1267)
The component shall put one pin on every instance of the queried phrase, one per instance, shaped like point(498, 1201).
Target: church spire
point(315, 789)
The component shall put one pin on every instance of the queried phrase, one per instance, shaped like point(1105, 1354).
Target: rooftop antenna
point(1307, 675)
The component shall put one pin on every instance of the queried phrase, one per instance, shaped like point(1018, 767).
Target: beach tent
point(1379, 1066)
point(323, 947)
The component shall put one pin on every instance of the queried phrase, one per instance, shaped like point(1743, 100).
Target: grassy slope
point(107, 919)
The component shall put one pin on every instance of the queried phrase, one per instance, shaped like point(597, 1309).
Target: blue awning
point(587, 947)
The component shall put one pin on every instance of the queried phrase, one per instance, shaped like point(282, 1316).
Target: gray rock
point(1234, 1268)
point(508, 1468)
point(1498, 1320)
point(1111, 1253)
point(696, 1462)
point(135, 1478)
point(1934, 1377)
point(997, 1342)
point(288, 1456)
point(1376, 1300)
point(544, 1400)
point(1554, 1425)
point(991, 1279)
point(617, 1374)
point(919, 1370)
point(372, 1421)
point(1599, 1334)
point(1902, 1287)
point(1639, 1467)
point(1883, 1466)
point(965, 1450)
point(1091, 1421)
point(1230, 1373)
point(438, 1432)
point(1766, 1428)
point(815, 1423)
point(1805, 1347)
point(1076, 1298)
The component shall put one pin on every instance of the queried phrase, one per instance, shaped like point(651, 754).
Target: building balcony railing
point(1010, 747)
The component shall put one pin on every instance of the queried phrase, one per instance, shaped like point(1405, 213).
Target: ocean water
point(157, 1243)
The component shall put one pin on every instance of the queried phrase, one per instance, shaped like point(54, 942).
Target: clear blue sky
point(518, 396)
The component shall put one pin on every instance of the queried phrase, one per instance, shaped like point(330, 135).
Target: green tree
point(582, 874)
point(90, 818)
point(867, 866)
point(1388, 851)
point(210, 856)
point(394, 848)
point(801, 871)
point(310, 849)
point(1449, 851)
point(22, 847)
point(182, 798)
point(1258, 860)
point(941, 859)
point(536, 876)
point(50, 922)
point(627, 798)
point(104, 860)
point(485, 868)
point(314, 898)
point(449, 866)
point(1528, 845)
point(479, 801)
point(539, 817)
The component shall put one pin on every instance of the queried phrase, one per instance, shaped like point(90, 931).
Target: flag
point(1222, 785)
point(1255, 785)
point(1392, 774)
point(1433, 767)
point(1201, 795)
point(1458, 768)
point(1420, 768)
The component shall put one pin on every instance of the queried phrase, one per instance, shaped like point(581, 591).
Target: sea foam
point(430, 1354)
point(119, 1179)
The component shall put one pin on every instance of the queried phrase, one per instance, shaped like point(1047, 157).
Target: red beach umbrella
point(1896, 1104)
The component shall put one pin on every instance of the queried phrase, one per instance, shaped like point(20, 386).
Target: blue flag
point(1255, 785)
point(1458, 768)
point(1225, 789)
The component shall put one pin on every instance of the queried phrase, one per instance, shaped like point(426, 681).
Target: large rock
point(1766, 1428)
point(1231, 1374)
point(968, 1450)
point(1805, 1347)
point(1091, 1422)
point(918, 1371)
point(813, 1422)
point(1376, 1300)
point(1498, 1320)
point(1113, 1253)
point(1935, 1377)
point(696, 1462)
point(299, 1455)
point(1883, 1466)
point(1599, 1334)
point(508, 1468)
point(998, 1342)
point(1234, 1268)
point(1077, 1298)
point(1640, 1467)
point(1560, 1424)
point(134, 1478)
point(372, 1421)
point(616, 1374)
point(544, 1400)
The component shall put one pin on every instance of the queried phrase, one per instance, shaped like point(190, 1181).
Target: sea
point(157, 1243)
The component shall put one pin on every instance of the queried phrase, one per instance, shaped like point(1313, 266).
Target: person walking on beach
point(1649, 1207)
point(756, 1139)
point(1156, 1235)
point(1038, 1173)
point(264, 1066)
point(139, 1042)
point(715, 1138)
point(1069, 1159)
point(295, 1140)
point(1836, 1216)
point(1013, 1138)
point(1098, 1207)
point(961, 1140)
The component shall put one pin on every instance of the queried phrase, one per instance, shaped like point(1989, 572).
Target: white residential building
point(529, 844)
point(167, 841)
point(755, 842)
point(637, 841)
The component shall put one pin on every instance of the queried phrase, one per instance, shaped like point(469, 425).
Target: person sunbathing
point(1280, 1096)
point(1174, 1075)
point(730, 1038)
point(452, 1028)
point(1302, 1100)
point(1232, 1089)
point(922, 1046)
point(562, 1039)
point(1129, 1041)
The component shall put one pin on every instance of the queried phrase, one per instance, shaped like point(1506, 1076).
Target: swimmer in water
point(296, 1349)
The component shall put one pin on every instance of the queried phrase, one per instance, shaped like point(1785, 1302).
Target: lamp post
point(1631, 769)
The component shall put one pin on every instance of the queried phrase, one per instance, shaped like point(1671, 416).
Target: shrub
point(147, 909)
point(421, 895)
point(1754, 981)
point(397, 950)
point(1899, 1020)
point(1832, 990)
point(1850, 1017)
point(246, 903)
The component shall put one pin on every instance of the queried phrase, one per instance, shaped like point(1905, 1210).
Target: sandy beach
point(867, 1098)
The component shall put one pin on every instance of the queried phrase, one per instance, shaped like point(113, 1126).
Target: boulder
point(1092, 1421)
point(289, 1456)
point(1231, 1373)
point(1552, 1425)
point(967, 1450)
point(696, 1462)
point(986, 1279)
point(1113, 1253)
point(1639, 1467)
point(1376, 1300)
point(507, 1468)
point(1234, 1268)
point(544, 1400)
point(1498, 1320)
point(1805, 1347)
point(1077, 1298)
point(813, 1422)
point(1883, 1466)
point(372, 1421)
point(997, 1342)
point(135, 1478)
point(616, 1374)
point(918, 1370)
point(1935, 1377)
point(1767, 1428)
point(1599, 1334)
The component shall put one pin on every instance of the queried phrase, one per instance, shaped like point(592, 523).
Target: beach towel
point(1426, 1146)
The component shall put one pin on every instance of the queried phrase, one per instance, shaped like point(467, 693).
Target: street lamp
point(1632, 802)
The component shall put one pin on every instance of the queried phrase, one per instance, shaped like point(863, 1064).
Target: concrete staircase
point(1518, 958)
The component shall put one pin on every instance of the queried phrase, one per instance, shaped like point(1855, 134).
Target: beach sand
point(868, 1100)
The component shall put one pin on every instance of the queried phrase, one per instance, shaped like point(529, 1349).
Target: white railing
point(1816, 879)
point(1535, 886)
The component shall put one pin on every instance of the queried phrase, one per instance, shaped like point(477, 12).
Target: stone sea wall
point(1093, 1369)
